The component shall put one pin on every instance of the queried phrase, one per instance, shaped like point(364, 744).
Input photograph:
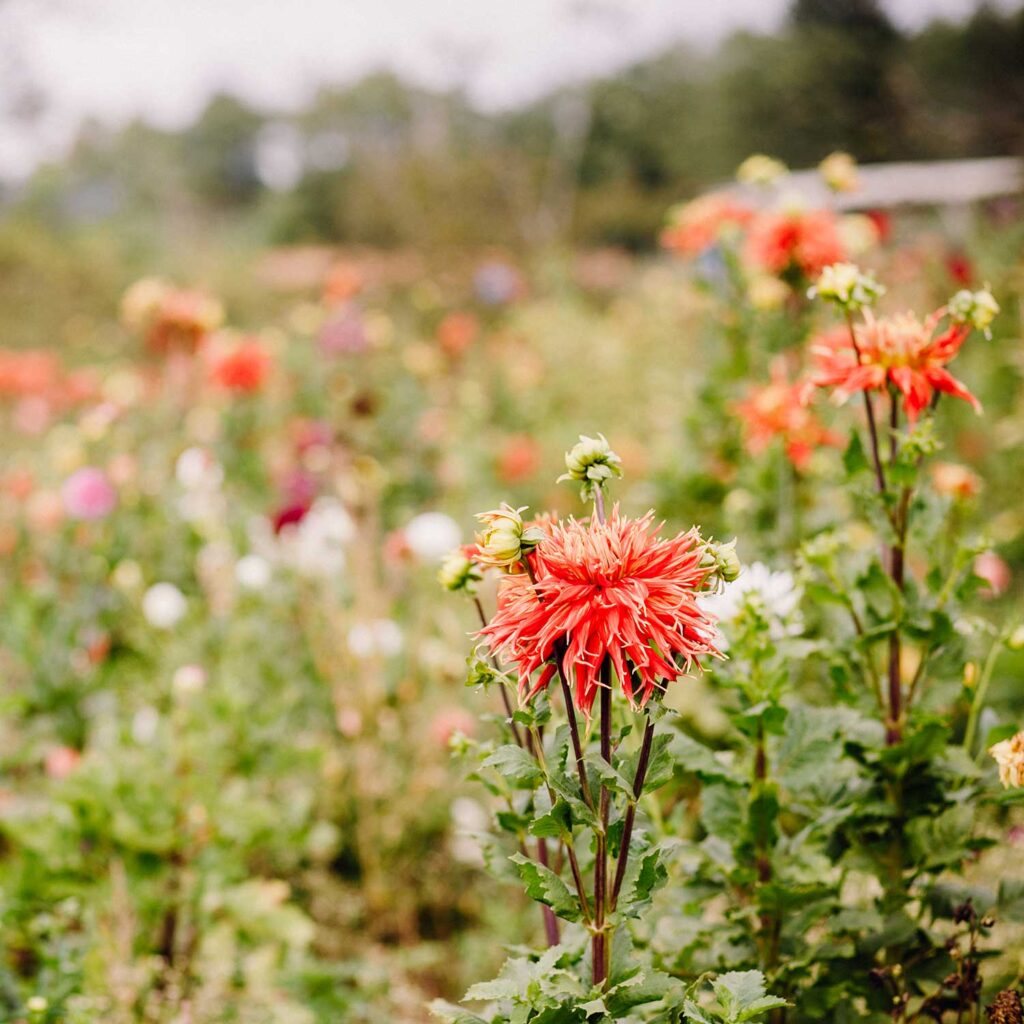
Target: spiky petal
point(612, 590)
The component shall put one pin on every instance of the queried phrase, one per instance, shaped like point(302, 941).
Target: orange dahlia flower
point(612, 590)
point(776, 410)
point(783, 240)
point(695, 225)
point(244, 369)
point(900, 350)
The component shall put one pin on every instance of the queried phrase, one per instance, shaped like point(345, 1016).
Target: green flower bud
point(978, 309)
point(592, 462)
point(722, 560)
point(505, 540)
point(847, 286)
point(459, 572)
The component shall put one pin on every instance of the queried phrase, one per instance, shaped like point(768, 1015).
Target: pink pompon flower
point(807, 241)
point(88, 494)
point(777, 410)
point(900, 350)
point(612, 590)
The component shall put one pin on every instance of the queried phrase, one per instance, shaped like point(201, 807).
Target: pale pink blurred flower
point(60, 762)
point(88, 494)
point(449, 721)
point(994, 571)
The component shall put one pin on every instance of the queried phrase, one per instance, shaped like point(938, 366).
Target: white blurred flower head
point(376, 638)
point(431, 535)
point(775, 594)
point(164, 605)
point(315, 547)
point(253, 572)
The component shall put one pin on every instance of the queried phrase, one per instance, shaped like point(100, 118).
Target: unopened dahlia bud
point(978, 309)
point(847, 286)
point(505, 540)
point(722, 560)
point(761, 170)
point(459, 571)
point(1009, 755)
point(592, 462)
point(839, 172)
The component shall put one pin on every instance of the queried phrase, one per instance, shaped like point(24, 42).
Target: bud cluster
point(847, 286)
point(978, 309)
point(592, 462)
point(505, 539)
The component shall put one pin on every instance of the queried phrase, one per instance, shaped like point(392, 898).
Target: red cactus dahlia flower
point(901, 350)
point(611, 590)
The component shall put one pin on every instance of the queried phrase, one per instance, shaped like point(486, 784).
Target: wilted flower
point(592, 462)
point(88, 494)
point(781, 241)
point(776, 410)
point(164, 605)
point(900, 350)
point(505, 539)
point(1009, 755)
point(459, 570)
point(955, 481)
point(839, 172)
point(847, 286)
point(694, 226)
point(759, 169)
point(378, 637)
point(978, 309)
point(610, 590)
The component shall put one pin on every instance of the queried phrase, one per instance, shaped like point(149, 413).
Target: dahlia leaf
point(515, 765)
point(544, 886)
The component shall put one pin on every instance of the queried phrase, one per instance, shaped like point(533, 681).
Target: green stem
point(981, 693)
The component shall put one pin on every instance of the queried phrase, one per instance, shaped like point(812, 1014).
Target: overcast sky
point(115, 59)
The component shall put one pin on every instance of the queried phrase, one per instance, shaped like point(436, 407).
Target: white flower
point(253, 572)
point(145, 723)
point(164, 605)
point(316, 546)
point(381, 637)
point(776, 595)
point(188, 679)
point(197, 470)
point(431, 535)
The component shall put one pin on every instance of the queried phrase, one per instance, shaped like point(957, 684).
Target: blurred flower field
point(240, 763)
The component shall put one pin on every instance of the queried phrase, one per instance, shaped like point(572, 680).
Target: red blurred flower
point(611, 590)
point(807, 241)
point(456, 332)
point(449, 721)
point(244, 369)
point(695, 225)
point(883, 224)
point(901, 350)
point(518, 459)
point(290, 515)
point(959, 268)
point(60, 762)
point(27, 373)
point(776, 410)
